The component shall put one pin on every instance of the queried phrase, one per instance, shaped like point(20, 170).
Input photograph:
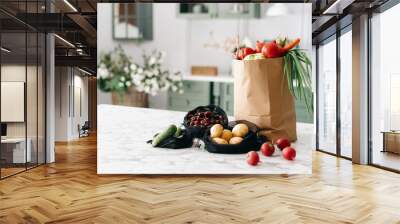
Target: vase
point(131, 98)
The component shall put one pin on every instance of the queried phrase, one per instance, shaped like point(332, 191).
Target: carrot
point(291, 45)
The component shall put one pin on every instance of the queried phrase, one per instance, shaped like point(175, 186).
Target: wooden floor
point(387, 159)
point(5, 172)
point(70, 191)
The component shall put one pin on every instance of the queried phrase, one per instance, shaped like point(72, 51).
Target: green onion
point(297, 68)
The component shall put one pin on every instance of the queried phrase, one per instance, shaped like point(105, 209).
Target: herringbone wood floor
point(69, 191)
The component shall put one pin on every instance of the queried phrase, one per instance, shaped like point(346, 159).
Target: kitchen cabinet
point(223, 96)
point(195, 94)
point(218, 10)
point(198, 93)
point(302, 114)
point(238, 10)
point(196, 10)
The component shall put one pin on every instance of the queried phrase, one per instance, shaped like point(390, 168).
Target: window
point(327, 96)
point(385, 89)
point(346, 93)
point(334, 101)
point(132, 21)
point(22, 78)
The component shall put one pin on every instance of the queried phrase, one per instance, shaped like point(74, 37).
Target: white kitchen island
point(122, 148)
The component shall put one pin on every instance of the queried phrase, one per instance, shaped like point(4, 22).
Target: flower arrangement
point(117, 73)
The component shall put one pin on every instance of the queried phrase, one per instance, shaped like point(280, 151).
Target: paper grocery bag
point(262, 96)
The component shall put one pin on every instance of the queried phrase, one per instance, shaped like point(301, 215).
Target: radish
point(282, 143)
point(267, 149)
point(252, 158)
point(289, 153)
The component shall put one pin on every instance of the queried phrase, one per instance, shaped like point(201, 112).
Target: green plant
point(297, 68)
point(114, 71)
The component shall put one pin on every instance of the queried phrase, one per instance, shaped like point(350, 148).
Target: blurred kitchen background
point(197, 39)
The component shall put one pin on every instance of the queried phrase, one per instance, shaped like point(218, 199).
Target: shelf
point(199, 78)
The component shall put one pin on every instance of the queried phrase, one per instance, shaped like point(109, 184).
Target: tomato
point(243, 52)
point(246, 51)
point(272, 50)
point(289, 153)
point(252, 158)
point(282, 143)
point(267, 149)
point(259, 46)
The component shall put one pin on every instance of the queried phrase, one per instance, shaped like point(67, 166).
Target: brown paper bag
point(262, 96)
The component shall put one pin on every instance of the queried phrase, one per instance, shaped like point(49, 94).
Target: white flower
point(103, 71)
point(150, 79)
point(137, 79)
point(152, 60)
point(164, 88)
point(156, 86)
point(148, 74)
point(176, 77)
point(181, 91)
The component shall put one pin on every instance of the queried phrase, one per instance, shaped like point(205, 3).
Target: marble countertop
point(122, 148)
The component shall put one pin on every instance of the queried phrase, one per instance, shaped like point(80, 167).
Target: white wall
point(184, 40)
point(61, 103)
point(81, 84)
point(68, 82)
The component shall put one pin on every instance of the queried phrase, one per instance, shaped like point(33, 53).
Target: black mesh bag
point(251, 142)
point(183, 141)
point(198, 131)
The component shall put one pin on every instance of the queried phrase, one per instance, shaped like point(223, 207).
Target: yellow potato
point(220, 141)
point(235, 140)
point(216, 130)
point(227, 135)
point(240, 130)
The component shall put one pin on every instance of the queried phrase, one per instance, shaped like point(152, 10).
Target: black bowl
point(197, 131)
point(251, 142)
